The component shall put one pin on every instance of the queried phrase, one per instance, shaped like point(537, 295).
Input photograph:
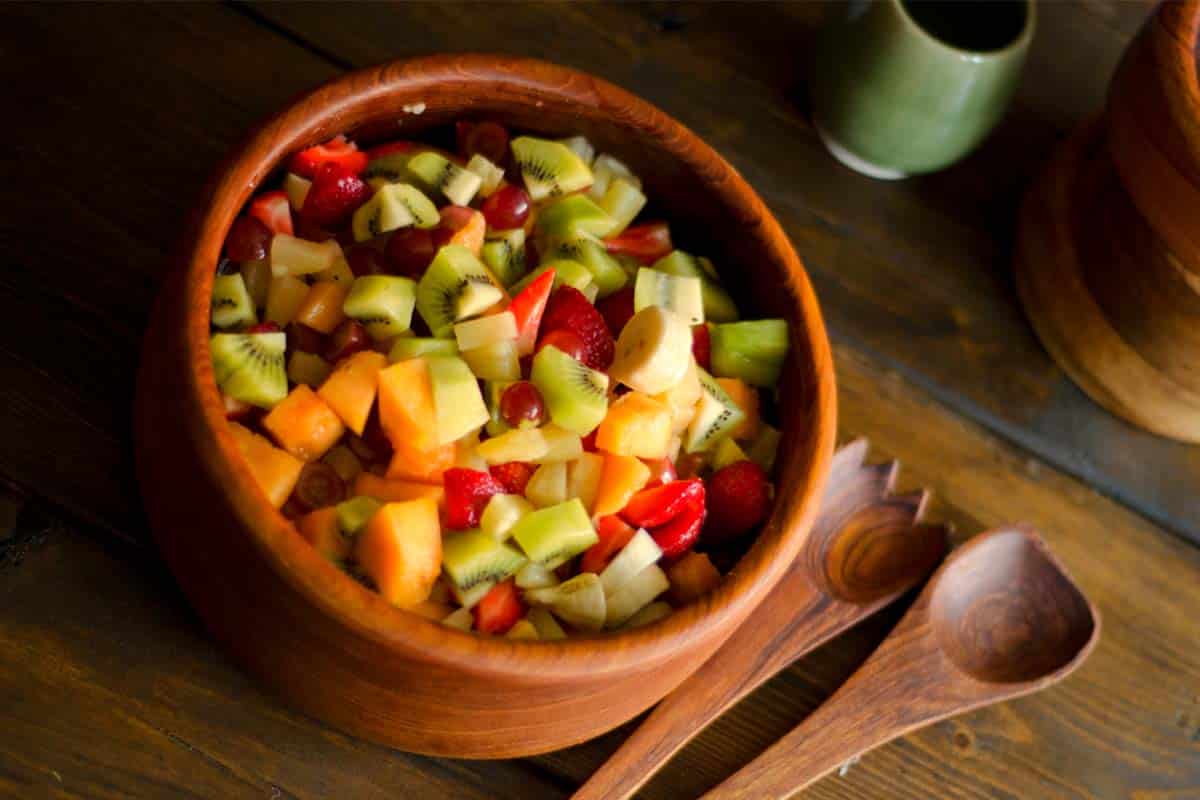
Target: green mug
point(901, 87)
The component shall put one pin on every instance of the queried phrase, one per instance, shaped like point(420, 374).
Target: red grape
point(506, 209)
point(489, 139)
point(702, 346)
point(349, 338)
point(319, 486)
point(617, 309)
point(366, 261)
point(410, 251)
point(248, 239)
point(568, 342)
point(521, 405)
point(305, 339)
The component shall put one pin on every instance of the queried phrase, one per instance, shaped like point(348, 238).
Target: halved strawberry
point(650, 508)
point(335, 194)
point(338, 150)
point(513, 475)
point(677, 536)
point(739, 497)
point(527, 307)
point(467, 492)
point(614, 534)
point(273, 210)
point(568, 309)
point(617, 309)
point(647, 243)
point(499, 609)
point(702, 346)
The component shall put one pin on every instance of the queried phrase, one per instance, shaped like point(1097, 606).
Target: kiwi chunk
point(717, 415)
point(501, 513)
point(388, 168)
point(416, 346)
point(250, 366)
point(622, 202)
point(718, 305)
point(457, 285)
point(457, 404)
point(231, 303)
point(472, 557)
point(580, 146)
point(753, 350)
point(382, 303)
point(438, 172)
point(607, 273)
point(576, 395)
point(677, 293)
point(574, 215)
point(354, 514)
point(556, 533)
point(395, 205)
point(548, 168)
point(504, 254)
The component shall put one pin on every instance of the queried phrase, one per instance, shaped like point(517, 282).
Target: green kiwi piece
point(390, 167)
point(250, 366)
point(231, 303)
point(561, 531)
point(548, 168)
point(607, 272)
point(574, 215)
point(678, 293)
point(469, 598)
point(354, 514)
point(622, 202)
point(382, 303)
point(566, 273)
point(472, 557)
point(413, 346)
point(434, 170)
point(718, 305)
point(717, 415)
point(504, 253)
point(753, 350)
point(576, 395)
point(605, 170)
point(456, 285)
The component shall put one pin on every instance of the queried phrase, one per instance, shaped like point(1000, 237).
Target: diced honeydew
point(561, 531)
point(485, 330)
point(293, 256)
point(414, 347)
point(606, 271)
point(535, 576)
point(580, 146)
point(501, 513)
point(753, 350)
point(640, 552)
point(634, 595)
point(579, 601)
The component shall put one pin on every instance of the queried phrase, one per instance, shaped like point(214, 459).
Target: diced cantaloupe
point(746, 397)
point(304, 424)
point(394, 491)
point(275, 471)
point(471, 235)
point(322, 306)
point(425, 466)
point(400, 549)
point(350, 390)
point(635, 425)
point(692, 577)
point(406, 409)
point(620, 478)
point(320, 529)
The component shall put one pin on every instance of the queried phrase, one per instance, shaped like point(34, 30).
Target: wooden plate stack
point(1108, 249)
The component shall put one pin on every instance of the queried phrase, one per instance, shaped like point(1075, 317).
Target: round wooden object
point(339, 651)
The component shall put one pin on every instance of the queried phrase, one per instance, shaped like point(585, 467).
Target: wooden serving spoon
point(865, 549)
point(1000, 619)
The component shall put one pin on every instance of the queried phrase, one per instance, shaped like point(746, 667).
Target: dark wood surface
point(109, 687)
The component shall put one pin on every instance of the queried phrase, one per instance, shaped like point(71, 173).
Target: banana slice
point(653, 351)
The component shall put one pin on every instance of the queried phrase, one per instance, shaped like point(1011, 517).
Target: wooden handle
point(796, 616)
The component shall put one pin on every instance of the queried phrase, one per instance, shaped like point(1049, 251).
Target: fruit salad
point(480, 384)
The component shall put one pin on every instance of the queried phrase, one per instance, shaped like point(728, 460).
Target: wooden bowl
point(340, 652)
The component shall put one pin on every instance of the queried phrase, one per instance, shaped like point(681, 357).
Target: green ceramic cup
point(903, 88)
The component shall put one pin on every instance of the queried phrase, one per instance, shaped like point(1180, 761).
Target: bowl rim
point(363, 611)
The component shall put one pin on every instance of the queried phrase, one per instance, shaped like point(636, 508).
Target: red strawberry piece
point(527, 307)
point(335, 194)
point(337, 150)
point(614, 534)
point(647, 243)
point(263, 327)
point(467, 492)
point(702, 346)
point(513, 475)
point(662, 471)
point(617, 309)
point(566, 341)
point(589, 441)
point(248, 239)
point(499, 609)
point(738, 500)
point(650, 508)
point(568, 309)
point(272, 209)
point(677, 536)
point(388, 148)
point(349, 338)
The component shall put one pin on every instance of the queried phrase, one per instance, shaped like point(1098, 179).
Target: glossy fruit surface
point(410, 251)
point(521, 405)
point(567, 341)
point(647, 243)
point(467, 492)
point(336, 193)
point(337, 150)
point(513, 475)
point(499, 609)
point(507, 208)
point(248, 239)
point(651, 508)
point(738, 500)
point(614, 534)
point(349, 338)
point(319, 486)
point(617, 309)
point(273, 210)
point(488, 139)
point(568, 309)
point(702, 346)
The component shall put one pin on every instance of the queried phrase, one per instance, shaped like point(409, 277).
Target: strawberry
point(702, 346)
point(661, 471)
point(617, 309)
point(738, 499)
point(337, 150)
point(650, 508)
point(467, 492)
point(388, 148)
point(647, 243)
point(614, 534)
point(335, 194)
point(677, 536)
point(527, 307)
point(589, 442)
point(499, 609)
point(273, 210)
point(513, 475)
point(568, 309)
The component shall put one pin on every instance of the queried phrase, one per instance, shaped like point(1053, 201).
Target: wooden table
point(109, 687)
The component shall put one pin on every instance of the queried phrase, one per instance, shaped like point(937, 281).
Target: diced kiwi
point(555, 533)
point(501, 513)
point(718, 305)
point(673, 292)
point(231, 303)
point(574, 215)
point(535, 576)
point(548, 485)
point(456, 286)
point(469, 598)
point(651, 613)
point(762, 450)
point(460, 619)
point(753, 350)
point(438, 172)
point(354, 514)
point(472, 557)
point(566, 273)
point(382, 303)
point(504, 253)
point(606, 169)
point(495, 361)
point(727, 453)
point(717, 415)
point(388, 168)
point(457, 404)
point(622, 202)
point(576, 395)
point(394, 205)
point(485, 330)
point(580, 601)
point(416, 346)
point(249, 366)
point(634, 595)
point(549, 168)
point(308, 368)
point(547, 626)
point(639, 553)
point(581, 147)
point(606, 271)
point(490, 175)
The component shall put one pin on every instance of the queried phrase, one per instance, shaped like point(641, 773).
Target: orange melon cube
point(350, 389)
point(636, 425)
point(400, 549)
point(692, 577)
point(620, 478)
point(320, 529)
point(406, 409)
point(275, 471)
point(471, 234)
point(304, 424)
point(321, 308)
point(746, 397)
point(424, 466)
point(392, 491)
